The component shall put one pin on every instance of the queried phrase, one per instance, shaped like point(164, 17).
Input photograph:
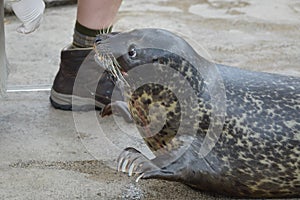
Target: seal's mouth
point(105, 58)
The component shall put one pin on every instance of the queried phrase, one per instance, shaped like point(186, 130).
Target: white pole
point(3, 64)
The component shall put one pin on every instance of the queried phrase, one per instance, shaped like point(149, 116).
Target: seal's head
point(141, 46)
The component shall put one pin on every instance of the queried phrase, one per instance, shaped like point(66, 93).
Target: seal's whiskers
point(106, 59)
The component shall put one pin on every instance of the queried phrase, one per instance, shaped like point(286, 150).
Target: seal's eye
point(132, 52)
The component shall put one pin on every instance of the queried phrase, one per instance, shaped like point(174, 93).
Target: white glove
point(30, 13)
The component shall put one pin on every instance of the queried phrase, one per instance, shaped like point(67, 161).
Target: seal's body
point(257, 153)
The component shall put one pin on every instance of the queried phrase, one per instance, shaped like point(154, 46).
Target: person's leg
point(93, 18)
point(97, 14)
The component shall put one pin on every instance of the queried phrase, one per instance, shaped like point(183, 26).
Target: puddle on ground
point(130, 189)
point(92, 167)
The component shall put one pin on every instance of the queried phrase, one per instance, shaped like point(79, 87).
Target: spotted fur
point(258, 152)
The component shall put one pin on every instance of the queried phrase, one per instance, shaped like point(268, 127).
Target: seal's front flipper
point(160, 174)
point(118, 107)
point(132, 161)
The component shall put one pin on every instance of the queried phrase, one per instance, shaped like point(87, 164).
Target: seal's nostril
point(155, 60)
point(98, 40)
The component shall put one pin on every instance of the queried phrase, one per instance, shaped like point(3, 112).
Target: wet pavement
point(52, 154)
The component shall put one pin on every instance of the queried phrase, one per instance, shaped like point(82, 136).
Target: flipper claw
point(132, 161)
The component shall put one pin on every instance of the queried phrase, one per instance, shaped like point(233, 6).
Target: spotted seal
point(257, 153)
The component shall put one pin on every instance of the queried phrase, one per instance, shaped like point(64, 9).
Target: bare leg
point(97, 14)
point(93, 17)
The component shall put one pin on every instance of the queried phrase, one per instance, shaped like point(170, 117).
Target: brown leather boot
point(81, 84)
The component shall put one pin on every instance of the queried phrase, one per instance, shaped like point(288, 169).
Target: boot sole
point(73, 102)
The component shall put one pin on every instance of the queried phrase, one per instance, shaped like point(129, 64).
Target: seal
point(256, 154)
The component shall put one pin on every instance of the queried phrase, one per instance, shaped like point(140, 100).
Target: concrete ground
point(52, 154)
